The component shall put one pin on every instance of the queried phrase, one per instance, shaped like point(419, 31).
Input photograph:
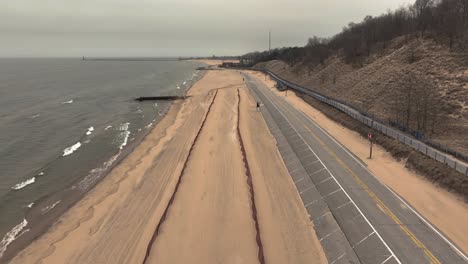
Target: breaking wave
point(71, 149)
point(12, 235)
point(90, 131)
point(21, 185)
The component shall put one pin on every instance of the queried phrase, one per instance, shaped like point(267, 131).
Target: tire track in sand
point(261, 256)
point(163, 217)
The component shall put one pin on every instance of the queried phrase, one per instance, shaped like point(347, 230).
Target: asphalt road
point(357, 218)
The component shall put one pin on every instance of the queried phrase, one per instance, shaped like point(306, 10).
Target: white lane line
point(329, 178)
point(341, 206)
point(342, 255)
point(313, 162)
point(322, 169)
point(299, 180)
point(314, 201)
point(442, 236)
point(310, 155)
point(293, 171)
point(331, 233)
point(362, 240)
point(331, 193)
point(325, 214)
point(387, 259)
point(349, 197)
point(307, 189)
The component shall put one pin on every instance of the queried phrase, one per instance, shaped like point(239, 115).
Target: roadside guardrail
point(384, 129)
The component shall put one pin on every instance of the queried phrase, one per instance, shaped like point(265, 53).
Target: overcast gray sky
point(171, 27)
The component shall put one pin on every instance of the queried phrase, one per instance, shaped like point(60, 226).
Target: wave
point(35, 116)
point(184, 83)
point(70, 150)
point(95, 174)
point(49, 207)
point(90, 131)
point(67, 102)
point(125, 134)
point(12, 235)
point(21, 185)
point(149, 125)
point(107, 127)
point(41, 173)
point(30, 205)
point(178, 87)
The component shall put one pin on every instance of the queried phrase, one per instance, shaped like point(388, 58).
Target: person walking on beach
point(258, 106)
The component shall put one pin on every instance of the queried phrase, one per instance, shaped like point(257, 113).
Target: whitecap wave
point(21, 185)
point(35, 116)
point(71, 149)
point(30, 205)
point(178, 87)
point(50, 207)
point(149, 125)
point(11, 236)
point(184, 83)
point(95, 174)
point(41, 173)
point(125, 134)
point(90, 130)
point(68, 102)
point(155, 105)
point(107, 127)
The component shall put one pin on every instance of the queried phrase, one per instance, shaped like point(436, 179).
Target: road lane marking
point(349, 197)
point(329, 178)
point(299, 180)
point(322, 169)
point(362, 240)
point(329, 234)
point(442, 236)
point(371, 193)
point(386, 260)
point(342, 255)
point(308, 188)
point(341, 206)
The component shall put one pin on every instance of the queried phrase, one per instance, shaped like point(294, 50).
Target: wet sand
point(183, 195)
point(445, 210)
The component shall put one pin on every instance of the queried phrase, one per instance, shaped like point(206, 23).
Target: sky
point(70, 28)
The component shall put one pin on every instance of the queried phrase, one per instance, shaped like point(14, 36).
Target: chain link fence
point(426, 149)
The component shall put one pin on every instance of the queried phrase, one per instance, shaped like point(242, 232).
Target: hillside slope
point(417, 84)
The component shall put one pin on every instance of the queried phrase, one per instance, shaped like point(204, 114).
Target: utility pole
point(369, 136)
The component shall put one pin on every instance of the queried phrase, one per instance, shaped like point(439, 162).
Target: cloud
point(170, 27)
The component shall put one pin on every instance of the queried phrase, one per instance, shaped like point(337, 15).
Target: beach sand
point(445, 210)
point(183, 195)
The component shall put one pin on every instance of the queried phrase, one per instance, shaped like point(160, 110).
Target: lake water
point(65, 122)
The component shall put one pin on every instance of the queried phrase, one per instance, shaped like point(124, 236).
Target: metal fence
point(389, 131)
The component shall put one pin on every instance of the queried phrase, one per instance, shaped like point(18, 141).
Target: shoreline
point(116, 220)
point(36, 222)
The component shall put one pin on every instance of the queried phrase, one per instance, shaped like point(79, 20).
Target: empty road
point(356, 217)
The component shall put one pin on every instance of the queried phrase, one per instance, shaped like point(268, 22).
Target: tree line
point(444, 20)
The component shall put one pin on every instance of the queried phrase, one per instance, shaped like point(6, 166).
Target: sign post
point(369, 136)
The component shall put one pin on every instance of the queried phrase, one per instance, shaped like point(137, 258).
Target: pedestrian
point(258, 106)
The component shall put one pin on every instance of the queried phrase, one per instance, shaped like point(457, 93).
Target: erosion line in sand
point(163, 217)
point(261, 257)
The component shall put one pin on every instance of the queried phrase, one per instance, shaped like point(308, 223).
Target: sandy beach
point(207, 185)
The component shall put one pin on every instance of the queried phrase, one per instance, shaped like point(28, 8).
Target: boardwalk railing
point(391, 132)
